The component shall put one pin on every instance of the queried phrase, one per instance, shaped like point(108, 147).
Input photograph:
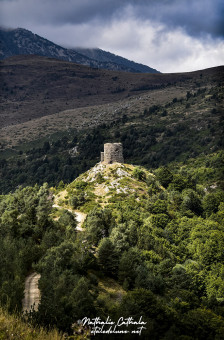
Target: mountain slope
point(62, 112)
point(35, 86)
point(23, 42)
point(60, 147)
point(104, 56)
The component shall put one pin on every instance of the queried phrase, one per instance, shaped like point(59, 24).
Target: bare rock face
point(113, 152)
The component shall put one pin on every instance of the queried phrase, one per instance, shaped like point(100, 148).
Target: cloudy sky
point(169, 35)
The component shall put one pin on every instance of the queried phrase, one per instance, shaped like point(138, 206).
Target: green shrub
point(139, 174)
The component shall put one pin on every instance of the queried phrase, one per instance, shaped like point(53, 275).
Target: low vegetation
point(155, 251)
point(14, 328)
point(154, 136)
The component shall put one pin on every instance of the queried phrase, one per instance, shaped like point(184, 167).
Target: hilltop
point(56, 114)
point(102, 184)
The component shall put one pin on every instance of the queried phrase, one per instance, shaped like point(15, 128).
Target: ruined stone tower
point(113, 152)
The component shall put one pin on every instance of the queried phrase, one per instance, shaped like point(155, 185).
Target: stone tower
point(113, 152)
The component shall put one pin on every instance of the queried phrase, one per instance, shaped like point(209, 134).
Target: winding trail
point(80, 217)
point(31, 293)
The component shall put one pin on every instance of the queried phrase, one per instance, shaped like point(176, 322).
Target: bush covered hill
point(151, 245)
point(172, 129)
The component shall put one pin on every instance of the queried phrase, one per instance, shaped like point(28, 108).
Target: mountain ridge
point(21, 41)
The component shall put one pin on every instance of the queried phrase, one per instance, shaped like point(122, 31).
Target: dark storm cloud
point(169, 35)
point(196, 17)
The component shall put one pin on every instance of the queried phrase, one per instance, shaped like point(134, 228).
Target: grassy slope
point(12, 327)
point(103, 184)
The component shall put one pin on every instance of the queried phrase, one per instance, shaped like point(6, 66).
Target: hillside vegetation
point(170, 129)
point(141, 240)
point(34, 86)
point(151, 246)
point(12, 327)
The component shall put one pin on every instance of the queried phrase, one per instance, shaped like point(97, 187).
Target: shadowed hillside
point(34, 87)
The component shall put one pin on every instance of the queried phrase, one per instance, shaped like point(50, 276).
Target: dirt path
point(80, 217)
point(31, 292)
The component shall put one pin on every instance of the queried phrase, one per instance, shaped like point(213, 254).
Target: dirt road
point(31, 293)
point(80, 217)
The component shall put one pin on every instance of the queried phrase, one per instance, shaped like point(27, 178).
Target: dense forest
point(155, 252)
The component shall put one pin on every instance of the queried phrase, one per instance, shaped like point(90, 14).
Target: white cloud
point(168, 51)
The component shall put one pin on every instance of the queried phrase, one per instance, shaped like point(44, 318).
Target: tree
point(215, 281)
point(158, 207)
point(178, 183)
point(165, 176)
point(206, 242)
point(143, 303)
point(202, 324)
point(46, 147)
point(98, 224)
point(107, 257)
point(68, 220)
point(211, 203)
point(159, 220)
point(82, 301)
point(127, 267)
point(191, 201)
point(119, 237)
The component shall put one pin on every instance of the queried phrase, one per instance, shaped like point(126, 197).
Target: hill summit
point(102, 185)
